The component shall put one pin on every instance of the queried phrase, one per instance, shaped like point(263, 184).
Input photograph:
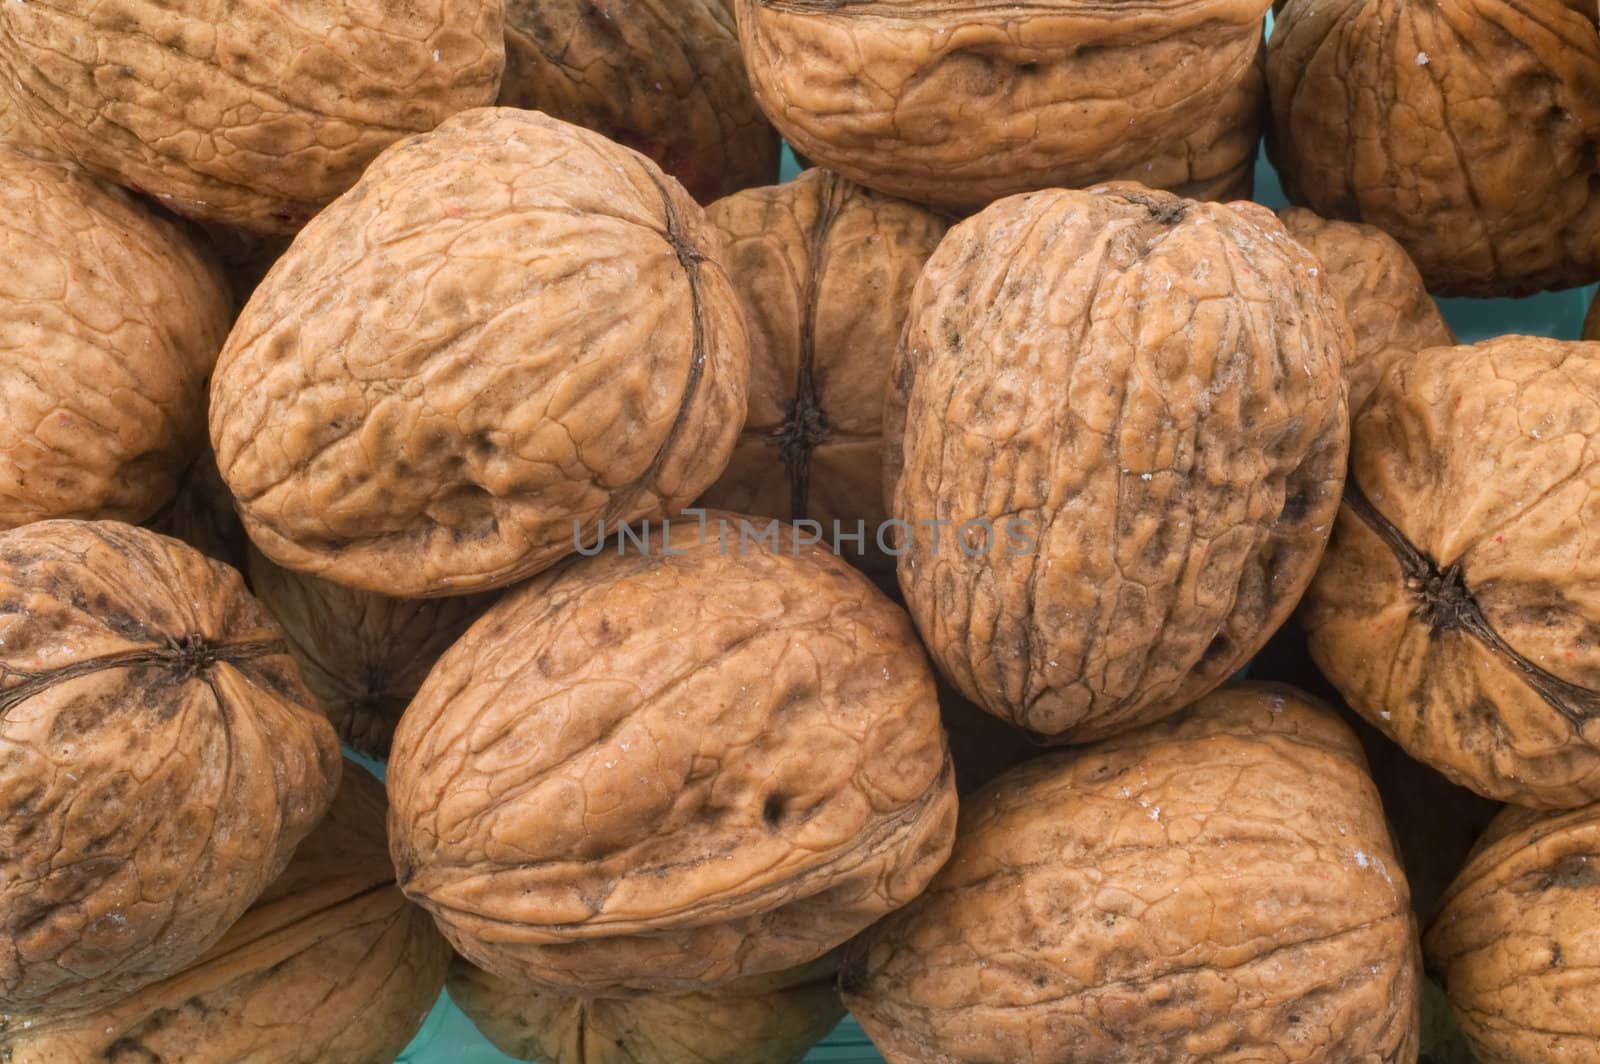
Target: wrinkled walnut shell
point(109, 326)
point(824, 270)
point(1390, 311)
point(1514, 944)
point(159, 760)
point(509, 332)
point(1466, 129)
point(958, 105)
point(663, 772)
point(763, 1019)
point(363, 655)
point(254, 116)
point(1218, 886)
point(664, 78)
point(330, 964)
point(1141, 395)
point(1454, 609)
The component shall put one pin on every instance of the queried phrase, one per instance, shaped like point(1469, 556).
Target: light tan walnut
point(110, 321)
point(248, 115)
point(667, 768)
point(160, 759)
point(508, 333)
point(1220, 886)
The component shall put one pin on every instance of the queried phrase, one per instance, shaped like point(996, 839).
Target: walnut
point(824, 270)
point(666, 79)
point(330, 964)
point(956, 105)
point(1467, 130)
point(1591, 321)
point(108, 333)
point(1390, 311)
point(666, 767)
point(248, 116)
point(1116, 440)
point(762, 1019)
point(1513, 944)
point(1454, 608)
point(1217, 886)
point(508, 333)
point(363, 655)
point(159, 760)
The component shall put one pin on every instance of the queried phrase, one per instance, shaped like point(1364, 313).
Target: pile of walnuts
point(466, 526)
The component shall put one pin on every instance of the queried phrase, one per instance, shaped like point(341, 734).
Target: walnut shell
point(1141, 396)
point(1390, 311)
point(763, 1019)
point(363, 655)
point(330, 964)
point(108, 335)
point(249, 116)
point(824, 270)
point(1218, 886)
point(159, 760)
point(666, 79)
point(1455, 608)
point(1466, 129)
point(662, 771)
point(506, 335)
point(957, 105)
point(1514, 944)
point(1591, 320)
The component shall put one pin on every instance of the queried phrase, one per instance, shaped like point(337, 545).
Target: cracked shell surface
point(665, 77)
point(254, 115)
point(1217, 886)
point(664, 772)
point(1142, 395)
point(159, 760)
point(762, 1019)
point(1514, 945)
point(957, 105)
point(1390, 311)
point(363, 655)
point(108, 335)
point(824, 269)
point(510, 330)
point(1469, 130)
point(330, 964)
point(1456, 608)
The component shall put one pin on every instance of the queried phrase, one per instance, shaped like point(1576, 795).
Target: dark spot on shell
point(772, 811)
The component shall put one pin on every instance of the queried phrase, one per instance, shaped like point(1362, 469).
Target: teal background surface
point(448, 1037)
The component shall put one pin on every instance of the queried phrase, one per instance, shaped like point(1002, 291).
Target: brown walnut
point(510, 331)
point(1141, 395)
point(663, 771)
point(363, 655)
point(254, 116)
point(761, 1019)
point(330, 964)
point(664, 77)
point(1514, 944)
point(824, 270)
point(1455, 608)
point(958, 105)
point(201, 514)
point(159, 760)
point(110, 320)
point(1469, 130)
point(1390, 311)
point(1217, 886)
